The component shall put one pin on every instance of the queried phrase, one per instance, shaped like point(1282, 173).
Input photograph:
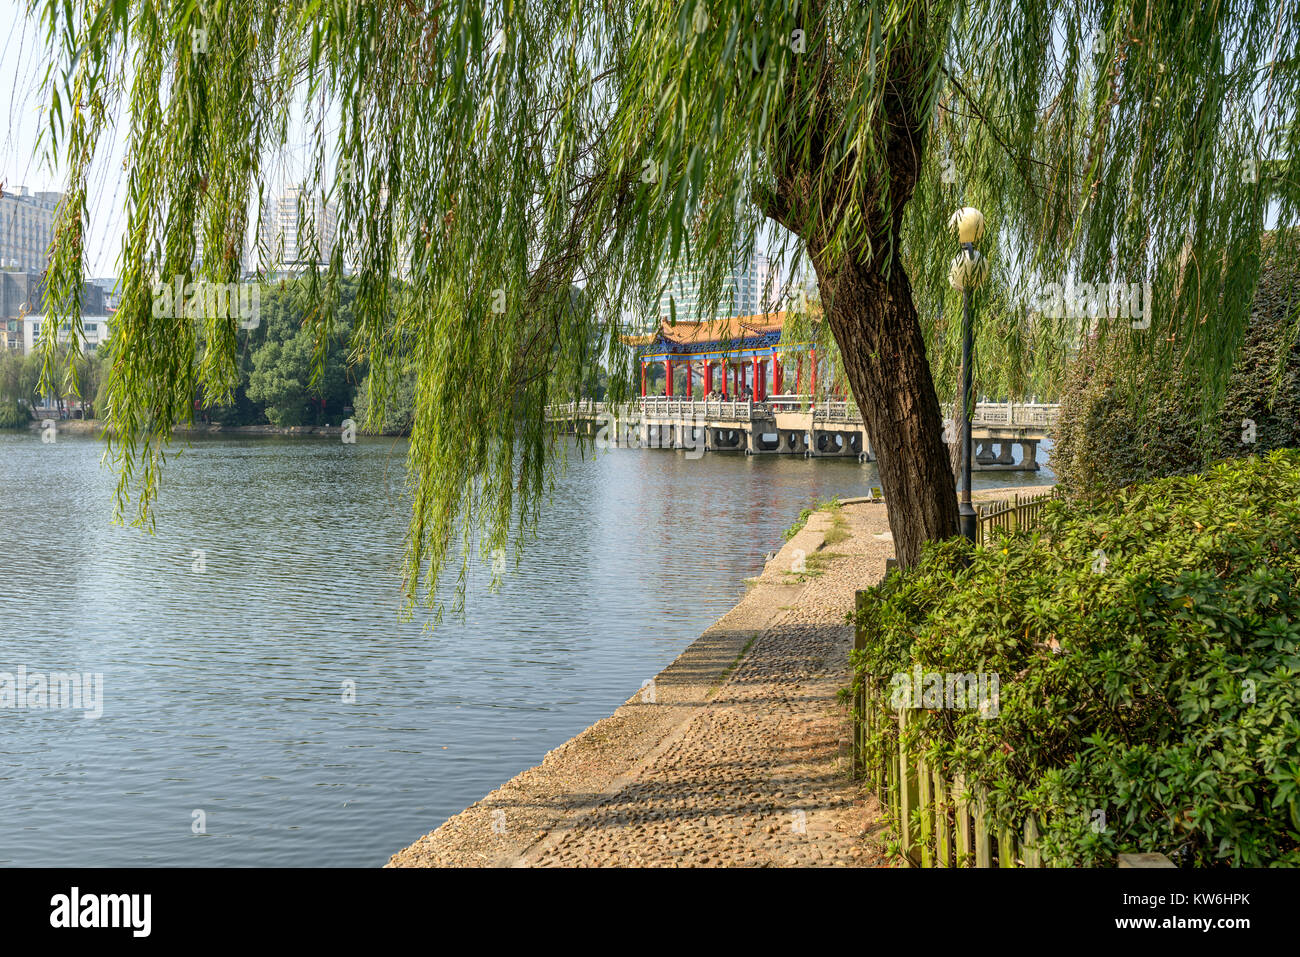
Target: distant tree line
point(278, 383)
point(277, 362)
point(20, 376)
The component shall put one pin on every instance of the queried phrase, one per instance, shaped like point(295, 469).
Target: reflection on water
point(226, 689)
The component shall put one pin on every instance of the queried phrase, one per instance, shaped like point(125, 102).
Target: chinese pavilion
point(743, 355)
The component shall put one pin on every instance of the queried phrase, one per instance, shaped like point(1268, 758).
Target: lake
point(257, 676)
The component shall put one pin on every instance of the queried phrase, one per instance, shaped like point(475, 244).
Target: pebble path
point(736, 755)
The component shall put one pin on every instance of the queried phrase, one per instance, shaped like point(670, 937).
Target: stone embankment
point(96, 427)
point(736, 755)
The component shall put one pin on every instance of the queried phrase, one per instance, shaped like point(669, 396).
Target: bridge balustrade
point(986, 414)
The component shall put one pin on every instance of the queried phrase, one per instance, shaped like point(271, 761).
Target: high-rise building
point(198, 253)
point(20, 292)
point(27, 228)
point(747, 291)
point(287, 240)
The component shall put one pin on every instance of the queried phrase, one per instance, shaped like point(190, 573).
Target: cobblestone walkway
point(757, 777)
point(735, 764)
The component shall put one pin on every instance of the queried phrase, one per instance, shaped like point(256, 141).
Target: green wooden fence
point(1018, 512)
point(941, 820)
point(955, 828)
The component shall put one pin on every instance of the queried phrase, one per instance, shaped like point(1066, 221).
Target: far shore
point(96, 427)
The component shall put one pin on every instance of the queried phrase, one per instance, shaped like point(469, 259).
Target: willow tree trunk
point(864, 288)
point(875, 324)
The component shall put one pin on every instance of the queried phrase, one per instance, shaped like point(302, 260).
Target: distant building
point(286, 240)
point(17, 290)
point(27, 228)
point(20, 293)
point(23, 293)
point(200, 246)
point(95, 328)
point(22, 296)
point(747, 291)
point(112, 294)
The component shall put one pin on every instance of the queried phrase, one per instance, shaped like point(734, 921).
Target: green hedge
point(1148, 653)
point(1124, 420)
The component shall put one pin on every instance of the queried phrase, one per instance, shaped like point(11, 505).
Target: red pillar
point(754, 384)
point(708, 377)
point(776, 374)
point(668, 366)
point(643, 378)
point(689, 390)
point(812, 364)
point(735, 379)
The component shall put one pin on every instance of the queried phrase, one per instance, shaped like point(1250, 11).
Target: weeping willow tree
point(487, 156)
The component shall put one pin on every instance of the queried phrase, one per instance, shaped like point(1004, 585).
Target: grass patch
point(832, 506)
point(815, 566)
point(839, 530)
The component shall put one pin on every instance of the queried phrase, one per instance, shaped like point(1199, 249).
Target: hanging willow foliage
point(488, 157)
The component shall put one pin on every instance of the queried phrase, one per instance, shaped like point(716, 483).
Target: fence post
point(878, 721)
point(906, 795)
point(1006, 847)
point(983, 857)
point(942, 826)
point(860, 698)
point(924, 781)
point(1033, 857)
point(891, 777)
point(961, 813)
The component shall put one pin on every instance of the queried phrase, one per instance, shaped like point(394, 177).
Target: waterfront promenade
point(735, 756)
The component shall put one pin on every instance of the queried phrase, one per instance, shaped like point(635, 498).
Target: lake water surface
point(224, 689)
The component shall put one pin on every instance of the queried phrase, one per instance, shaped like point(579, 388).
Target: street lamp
point(968, 270)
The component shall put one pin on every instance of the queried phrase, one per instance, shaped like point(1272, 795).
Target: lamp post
point(968, 270)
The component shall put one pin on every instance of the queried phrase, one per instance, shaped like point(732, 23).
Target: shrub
point(399, 405)
point(13, 416)
point(1124, 422)
point(1147, 647)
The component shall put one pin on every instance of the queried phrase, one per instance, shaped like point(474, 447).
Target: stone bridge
point(787, 424)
